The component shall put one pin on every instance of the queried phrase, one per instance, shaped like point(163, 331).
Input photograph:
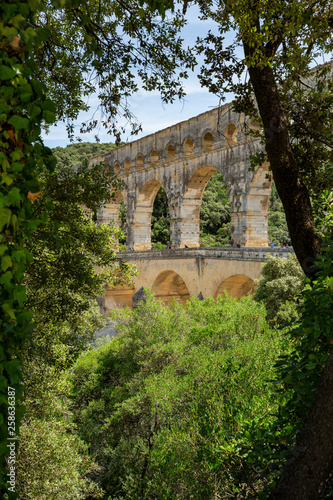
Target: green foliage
point(23, 108)
point(52, 461)
point(161, 403)
point(74, 259)
point(277, 224)
point(215, 213)
point(160, 220)
point(297, 376)
point(114, 49)
point(282, 280)
point(79, 153)
point(69, 246)
point(312, 338)
point(51, 458)
point(311, 335)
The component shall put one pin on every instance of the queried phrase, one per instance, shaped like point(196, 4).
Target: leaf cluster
point(23, 108)
point(110, 48)
point(282, 280)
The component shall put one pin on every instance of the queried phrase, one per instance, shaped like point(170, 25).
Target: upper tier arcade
point(182, 158)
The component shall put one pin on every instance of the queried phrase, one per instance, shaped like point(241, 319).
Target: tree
point(108, 48)
point(79, 153)
point(23, 107)
point(277, 225)
point(282, 280)
point(74, 260)
point(280, 42)
point(160, 220)
point(215, 213)
point(165, 406)
point(306, 375)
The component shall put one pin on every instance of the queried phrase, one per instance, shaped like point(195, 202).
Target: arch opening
point(188, 147)
point(160, 221)
point(255, 125)
point(214, 213)
point(154, 156)
point(168, 286)
point(231, 133)
point(208, 142)
point(116, 168)
point(170, 151)
point(140, 239)
point(237, 285)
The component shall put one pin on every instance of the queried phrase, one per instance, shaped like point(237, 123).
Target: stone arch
point(139, 161)
point(208, 142)
point(116, 168)
point(231, 134)
point(154, 156)
point(170, 151)
point(188, 147)
point(170, 285)
point(141, 230)
point(188, 223)
point(127, 166)
point(237, 285)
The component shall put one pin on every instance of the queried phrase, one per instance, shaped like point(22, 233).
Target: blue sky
point(148, 107)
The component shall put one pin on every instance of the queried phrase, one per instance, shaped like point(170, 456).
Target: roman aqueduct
point(182, 159)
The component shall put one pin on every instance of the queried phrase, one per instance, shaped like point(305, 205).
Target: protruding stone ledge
point(227, 253)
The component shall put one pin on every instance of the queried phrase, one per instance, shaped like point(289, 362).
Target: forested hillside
point(75, 154)
point(214, 212)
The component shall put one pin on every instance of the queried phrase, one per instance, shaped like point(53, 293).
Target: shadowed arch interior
point(169, 285)
point(231, 134)
point(188, 147)
point(208, 142)
point(237, 285)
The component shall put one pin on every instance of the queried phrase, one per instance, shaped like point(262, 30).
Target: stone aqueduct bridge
point(184, 273)
point(182, 159)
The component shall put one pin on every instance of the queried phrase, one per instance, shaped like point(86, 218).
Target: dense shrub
point(282, 279)
point(161, 404)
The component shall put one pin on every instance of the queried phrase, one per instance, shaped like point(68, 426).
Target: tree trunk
point(290, 186)
point(308, 472)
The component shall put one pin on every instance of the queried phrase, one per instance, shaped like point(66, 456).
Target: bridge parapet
point(227, 253)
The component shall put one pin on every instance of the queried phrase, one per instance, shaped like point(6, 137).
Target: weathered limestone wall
point(182, 159)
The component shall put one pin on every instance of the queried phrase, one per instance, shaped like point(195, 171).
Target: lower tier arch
point(237, 285)
point(168, 286)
